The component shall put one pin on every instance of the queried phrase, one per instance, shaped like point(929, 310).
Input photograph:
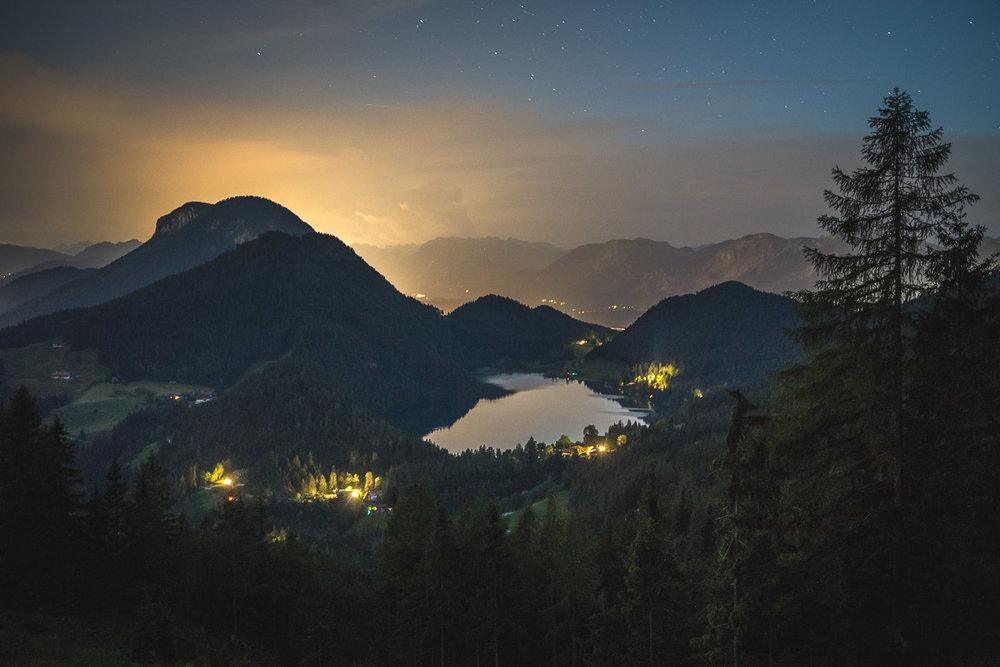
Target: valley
point(251, 445)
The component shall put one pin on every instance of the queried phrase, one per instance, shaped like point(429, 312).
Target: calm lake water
point(541, 408)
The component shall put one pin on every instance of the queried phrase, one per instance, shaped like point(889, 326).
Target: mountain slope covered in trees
point(498, 331)
point(729, 334)
point(308, 296)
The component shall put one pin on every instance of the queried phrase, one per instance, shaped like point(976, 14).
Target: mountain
point(453, 271)
point(615, 282)
point(93, 256)
point(40, 279)
point(100, 254)
point(306, 296)
point(610, 283)
point(28, 286)
point(729, 334)
point(15, 258)
point(498, 331)
point(184, 238)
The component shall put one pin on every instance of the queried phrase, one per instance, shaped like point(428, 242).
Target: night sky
point(401, 120)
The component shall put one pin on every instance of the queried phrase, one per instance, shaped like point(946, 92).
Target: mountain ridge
point(609, 283)
point(191, 235)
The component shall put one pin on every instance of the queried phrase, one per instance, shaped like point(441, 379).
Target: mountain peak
point(191, 234)
point(179, 217)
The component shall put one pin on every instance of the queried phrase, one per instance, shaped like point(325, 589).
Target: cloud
point(84, 158)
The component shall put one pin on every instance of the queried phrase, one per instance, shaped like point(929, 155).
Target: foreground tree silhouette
point(848, 432)
point(39, 508)
point(888, 212)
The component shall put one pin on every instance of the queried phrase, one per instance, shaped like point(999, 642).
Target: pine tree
point(152, 526)
point(418, 596)
point(39, 506)
point(481, 573)
point(845, 438)
point(649, 598)
point(952, 529)
point(888, 212)
point(742, 618)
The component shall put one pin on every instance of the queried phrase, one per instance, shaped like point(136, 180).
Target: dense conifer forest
point(848, 518)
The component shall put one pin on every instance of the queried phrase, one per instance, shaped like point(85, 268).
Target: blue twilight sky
point(395, 121)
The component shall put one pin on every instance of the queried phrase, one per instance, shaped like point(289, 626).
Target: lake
point(541, 408)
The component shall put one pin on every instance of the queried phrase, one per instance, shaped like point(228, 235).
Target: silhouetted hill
point(498, 331)
point(15, 258)
point(91, 256)
point(727, 334)
point(31, 286)
point(308, 296)
point(188, 236)
point(100, 254)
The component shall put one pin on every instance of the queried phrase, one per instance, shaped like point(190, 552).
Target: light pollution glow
point(373, 128)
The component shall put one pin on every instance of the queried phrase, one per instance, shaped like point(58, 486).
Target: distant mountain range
point(609, 283)
point(453, 271)
point(18, 261)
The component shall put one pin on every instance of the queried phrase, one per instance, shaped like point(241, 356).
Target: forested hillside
point(729, 335)
point(500, 332)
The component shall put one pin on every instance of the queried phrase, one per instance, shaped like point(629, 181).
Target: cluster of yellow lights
point(658, 376)
point(216, 479)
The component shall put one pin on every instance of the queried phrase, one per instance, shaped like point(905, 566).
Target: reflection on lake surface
point(541, 408)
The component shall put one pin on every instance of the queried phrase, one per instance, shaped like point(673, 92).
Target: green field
point(33, 366)
point(104, 404)
point(96, 403)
